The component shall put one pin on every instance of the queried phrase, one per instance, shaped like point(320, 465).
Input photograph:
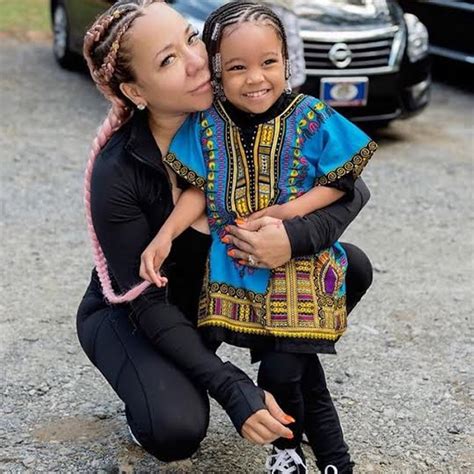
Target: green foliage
point(23, 16)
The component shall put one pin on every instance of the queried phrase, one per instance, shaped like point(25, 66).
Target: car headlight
point(418, 40)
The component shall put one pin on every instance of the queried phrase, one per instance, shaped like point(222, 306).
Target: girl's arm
point(317, 198)
point(190, 206)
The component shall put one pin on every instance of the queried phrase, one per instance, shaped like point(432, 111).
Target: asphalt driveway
point(401, 379)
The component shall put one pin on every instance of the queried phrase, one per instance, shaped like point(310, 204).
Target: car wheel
point(61, 38)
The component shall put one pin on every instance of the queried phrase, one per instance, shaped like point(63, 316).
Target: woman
point(143, 55)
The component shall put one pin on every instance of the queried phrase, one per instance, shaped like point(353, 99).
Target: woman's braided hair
point(233, 13)
point(109, 63)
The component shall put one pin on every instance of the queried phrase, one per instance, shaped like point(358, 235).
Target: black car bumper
point(390, 96)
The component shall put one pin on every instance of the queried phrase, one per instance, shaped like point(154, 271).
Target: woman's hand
point(153, 257)
point(265, 240)
point(265, 426)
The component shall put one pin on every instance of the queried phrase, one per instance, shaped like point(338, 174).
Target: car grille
point(373, 53)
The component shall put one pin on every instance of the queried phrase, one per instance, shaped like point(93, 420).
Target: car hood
point(322, 15)
point(314, 14)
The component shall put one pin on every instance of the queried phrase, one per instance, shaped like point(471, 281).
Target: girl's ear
point(132, 92)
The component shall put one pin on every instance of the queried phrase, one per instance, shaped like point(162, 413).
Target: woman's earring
point(141, 106)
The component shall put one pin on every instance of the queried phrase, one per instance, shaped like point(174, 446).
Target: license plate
point(344, 91)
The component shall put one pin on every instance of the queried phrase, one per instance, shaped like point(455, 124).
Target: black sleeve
point(312, 233)
point(344, 184)
point(124, 230)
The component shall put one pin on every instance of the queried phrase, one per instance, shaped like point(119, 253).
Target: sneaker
point(135, 440)
point(330, 469)
point(286, 461)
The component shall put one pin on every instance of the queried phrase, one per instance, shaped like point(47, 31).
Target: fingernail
point(225, 239)
point(227, 228)
point(290, 436)
point(289, 419)
point(239, 221)
point(231, 253)
point(242, 262)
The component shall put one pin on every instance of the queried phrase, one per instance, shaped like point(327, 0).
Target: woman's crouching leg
point(166, 413)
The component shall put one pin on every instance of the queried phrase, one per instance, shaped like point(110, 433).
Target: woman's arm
point(272, 242)
point(312, 233)
point(119, 193)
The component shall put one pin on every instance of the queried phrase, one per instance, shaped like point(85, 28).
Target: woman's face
point(170, 63)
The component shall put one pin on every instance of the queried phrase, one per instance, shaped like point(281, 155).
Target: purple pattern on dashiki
point(330, 281)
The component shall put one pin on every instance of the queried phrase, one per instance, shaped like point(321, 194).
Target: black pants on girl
point(167, 413)
point(298, 383)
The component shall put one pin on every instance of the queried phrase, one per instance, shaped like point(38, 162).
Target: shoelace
point(284, 461)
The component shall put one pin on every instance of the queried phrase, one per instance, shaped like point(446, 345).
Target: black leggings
point(167, 413)
point(298, 383)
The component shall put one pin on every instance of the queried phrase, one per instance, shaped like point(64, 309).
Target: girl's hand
point(276, 211)
point(264, 239)
point(153, 257)
point(265, 426)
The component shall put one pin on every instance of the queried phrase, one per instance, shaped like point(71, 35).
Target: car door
point(81, 14)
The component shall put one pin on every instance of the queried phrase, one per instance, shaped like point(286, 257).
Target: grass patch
point(25, 18)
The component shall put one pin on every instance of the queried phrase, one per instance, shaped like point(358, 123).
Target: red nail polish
point(225, 239)
point(231, 253)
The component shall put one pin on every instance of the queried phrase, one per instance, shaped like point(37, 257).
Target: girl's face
point(253, 67)
point(170, 63)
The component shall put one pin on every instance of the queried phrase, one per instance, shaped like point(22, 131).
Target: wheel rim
point(60, 32)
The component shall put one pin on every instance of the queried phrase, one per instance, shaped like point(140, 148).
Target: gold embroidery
point(179, 168)
point(355, 165)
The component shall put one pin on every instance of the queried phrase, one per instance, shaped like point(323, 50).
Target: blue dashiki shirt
point(306, 144)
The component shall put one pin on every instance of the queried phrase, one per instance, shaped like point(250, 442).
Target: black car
point(364, 57)
point(451, 27)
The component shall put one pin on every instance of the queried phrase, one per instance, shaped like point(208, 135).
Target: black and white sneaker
point(286, 461)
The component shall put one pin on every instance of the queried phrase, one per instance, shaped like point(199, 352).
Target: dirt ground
point(401, 380)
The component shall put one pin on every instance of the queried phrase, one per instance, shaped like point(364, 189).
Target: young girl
point(261, 150)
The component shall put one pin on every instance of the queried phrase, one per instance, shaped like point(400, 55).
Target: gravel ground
point(401, 380)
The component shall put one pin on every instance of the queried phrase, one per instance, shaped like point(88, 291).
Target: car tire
point(61, 38)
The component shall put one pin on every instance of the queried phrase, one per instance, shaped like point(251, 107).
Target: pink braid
point(115, 118)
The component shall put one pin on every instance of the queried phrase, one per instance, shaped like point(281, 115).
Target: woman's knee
point(171, 436)
point(360, 271)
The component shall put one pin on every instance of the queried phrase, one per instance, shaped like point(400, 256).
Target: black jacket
point(130, 200)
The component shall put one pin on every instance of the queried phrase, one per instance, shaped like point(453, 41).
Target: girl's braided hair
point(109, 62)
point(233, 13)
